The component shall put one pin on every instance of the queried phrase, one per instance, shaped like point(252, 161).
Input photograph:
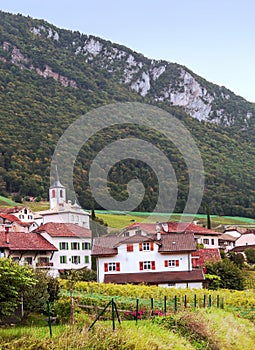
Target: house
point(209, 238)
point(27, 248)
point(237, 240)
point(72, 243)
point(25, 217)
point(62, 211)
point(13, 223)
point(163, 260)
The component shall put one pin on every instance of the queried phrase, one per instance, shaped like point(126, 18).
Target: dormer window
point(146, 246)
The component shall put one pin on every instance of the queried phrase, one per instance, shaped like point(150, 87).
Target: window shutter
point(153, 267)
point(117, 266)
point(176, 262)
point(141, 265)
point(130, 248)
point(151, 246)
point(140, 247)
point(105, 267)
point(166, 263)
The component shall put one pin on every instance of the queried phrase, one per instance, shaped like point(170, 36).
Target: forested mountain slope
point(49, 77)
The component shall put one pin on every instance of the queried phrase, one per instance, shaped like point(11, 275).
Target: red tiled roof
point(147, 227)
point(155, 277)
point(134, 239)
point(55, 229)
point(202, 256)
point(177, 242)
point(173, 227)
point(11, 210)
point(242, 248)
point(25, 241)
point(190, 227)
point(11, 218)
point(104, 246)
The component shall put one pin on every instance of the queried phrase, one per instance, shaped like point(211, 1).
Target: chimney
point(7, 234)
point(158, 231)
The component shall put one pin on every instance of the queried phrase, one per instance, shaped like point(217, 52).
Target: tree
point(237, 259)
point(46, 289)
point(231, 277)
point(250, 255)
point(15, 280)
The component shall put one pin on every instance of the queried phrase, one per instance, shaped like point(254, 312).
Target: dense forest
point(36, 109)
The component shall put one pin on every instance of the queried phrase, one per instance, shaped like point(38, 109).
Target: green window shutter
point(86, 259)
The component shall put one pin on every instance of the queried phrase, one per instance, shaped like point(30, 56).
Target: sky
point(213, 38)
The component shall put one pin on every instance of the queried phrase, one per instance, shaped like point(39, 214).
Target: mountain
point(51, 76)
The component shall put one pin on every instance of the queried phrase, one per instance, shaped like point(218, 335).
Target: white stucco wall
point(69, 253)
point(68, 217)
point(210, 245)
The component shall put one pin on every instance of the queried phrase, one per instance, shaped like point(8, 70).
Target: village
point(166, 254)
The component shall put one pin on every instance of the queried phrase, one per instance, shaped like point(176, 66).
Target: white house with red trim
point(156, 259)
point(209, 238)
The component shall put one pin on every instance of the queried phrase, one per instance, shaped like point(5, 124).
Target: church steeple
point(57, 193)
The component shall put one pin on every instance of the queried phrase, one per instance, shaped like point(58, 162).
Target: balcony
point(44, 264)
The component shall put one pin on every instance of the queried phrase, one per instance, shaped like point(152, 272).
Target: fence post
point(175, 303)
point(222, 303)
point(185, 301)
point(195, 300)
point(49, 318)
point(204, 300)
point(113, 323)
point(218, 301)
point(136, 312)
point(151, 306)
point(210, 301)
point(165, 305)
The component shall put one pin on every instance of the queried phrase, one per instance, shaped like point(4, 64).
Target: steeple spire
point(57, 193)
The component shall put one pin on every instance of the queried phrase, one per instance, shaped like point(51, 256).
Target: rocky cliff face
point(160, 81)
point(163, 81)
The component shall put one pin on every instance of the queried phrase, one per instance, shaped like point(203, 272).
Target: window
point(63, 245)
point(53, 193)
point(206, 241)
point(86, 259)
point(28, 260)
point(171, 263)
point(212, 241)
point(43, 260)
point(61, 193)
point(86, 245)
point(112, 266)
point(30, 217)
point(76, 259)
point(63, 259)
point(126, 234)
point(146, 246)
point(75, 245)
point(147, 265)
point(21, 216)
point(130, 248)
point(25, 211)
point(138, 232)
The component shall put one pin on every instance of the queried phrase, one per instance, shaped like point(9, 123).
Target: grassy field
point(121, 220)
point(204, 329)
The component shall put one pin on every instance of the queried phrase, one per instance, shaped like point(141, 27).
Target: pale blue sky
point(213, 38)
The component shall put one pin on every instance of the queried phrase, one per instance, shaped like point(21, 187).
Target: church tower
point(57, 193)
